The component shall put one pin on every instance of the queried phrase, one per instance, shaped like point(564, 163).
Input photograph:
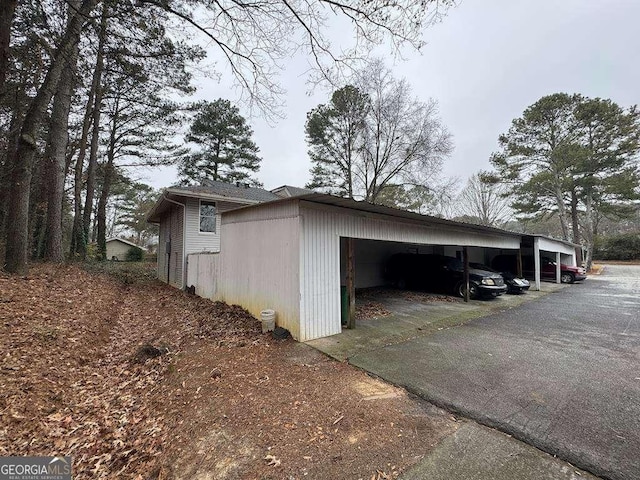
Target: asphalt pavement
point(561, 373)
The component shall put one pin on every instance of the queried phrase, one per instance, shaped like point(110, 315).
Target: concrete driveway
point(561, 373)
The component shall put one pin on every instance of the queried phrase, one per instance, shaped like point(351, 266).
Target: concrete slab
point(475, 452)
point(413, 318)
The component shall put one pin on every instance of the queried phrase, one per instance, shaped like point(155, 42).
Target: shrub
point(92, 251)
point(618, 247)
point(134, 254)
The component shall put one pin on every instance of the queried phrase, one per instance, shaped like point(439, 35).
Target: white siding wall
point(320, 256)
point(568, 259)
point(260, 263)
point(551, 246)
point(118, 249)
point(204, 273)
point(171, 230)
point(198, 241)
point(371, 257)
point(163, 236)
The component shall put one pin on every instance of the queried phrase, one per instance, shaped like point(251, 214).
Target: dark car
point(442, 273)
point(514, 283)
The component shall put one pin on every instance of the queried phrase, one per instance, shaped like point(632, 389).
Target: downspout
point(184, 237)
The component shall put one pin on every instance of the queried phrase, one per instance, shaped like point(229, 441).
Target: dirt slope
point(223, 401)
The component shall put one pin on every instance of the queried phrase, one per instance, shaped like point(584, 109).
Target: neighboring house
point(189, 220)
point(117, 248)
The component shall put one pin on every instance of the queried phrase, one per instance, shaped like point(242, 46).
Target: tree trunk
point(562, 212)
point(575, 225)
point(55, 161)
point(95, 137)
point(106, 187)
point(7, 10)
point(17, 114)
point(17, 245)
point(101, 213)
point(78, 238)
point(588, 228)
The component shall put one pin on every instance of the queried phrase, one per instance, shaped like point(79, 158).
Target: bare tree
point(484, 202)
point(253, 39)
point(404, 142)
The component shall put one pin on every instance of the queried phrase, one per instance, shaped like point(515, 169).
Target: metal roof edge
point(547, 237)
point(213, 196)
point(360, 205)
point(122, 240)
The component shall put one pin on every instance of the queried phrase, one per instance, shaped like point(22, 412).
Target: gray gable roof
point(230, 190)
point(290, 191)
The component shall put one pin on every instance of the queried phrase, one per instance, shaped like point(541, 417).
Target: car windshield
point(455, 264)
point(480, 266)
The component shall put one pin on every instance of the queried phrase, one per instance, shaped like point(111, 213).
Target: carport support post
point(519, 264)
point(558, 269)
point(351, 285)
point(536, 261)
point(465, 260)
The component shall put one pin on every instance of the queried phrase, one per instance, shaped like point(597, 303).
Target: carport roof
point(362, 206)
point(565, 242)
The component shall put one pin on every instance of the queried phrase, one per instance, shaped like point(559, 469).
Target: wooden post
point(351, 284)
point(519, 272)
point(465, 260)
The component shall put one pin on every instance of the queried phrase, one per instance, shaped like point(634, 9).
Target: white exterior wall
point(370, 260)
point(163, 236)
point(321, 229)
point(118, 249)
point(171, 230)
point(568, 252)
point(260, 262)
point(204, 273)
point(198, 241)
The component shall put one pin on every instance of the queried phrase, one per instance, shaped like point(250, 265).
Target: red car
point(568, 273)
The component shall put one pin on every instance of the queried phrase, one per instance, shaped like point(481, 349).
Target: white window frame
point(215, 217)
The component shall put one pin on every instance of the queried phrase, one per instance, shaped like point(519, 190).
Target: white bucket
point(268, 318)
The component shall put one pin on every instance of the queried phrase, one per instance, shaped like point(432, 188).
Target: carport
point(294, 255)
point(537, 246)
point(366, 265)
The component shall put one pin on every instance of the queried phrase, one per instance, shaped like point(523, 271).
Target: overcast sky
point(484, 63)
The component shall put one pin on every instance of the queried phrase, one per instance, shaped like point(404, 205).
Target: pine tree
point(224, 150)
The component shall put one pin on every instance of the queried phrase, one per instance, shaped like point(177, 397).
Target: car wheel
point(567, 277)
point(473, 290)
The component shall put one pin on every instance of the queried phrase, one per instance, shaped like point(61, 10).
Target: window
point(207, 216)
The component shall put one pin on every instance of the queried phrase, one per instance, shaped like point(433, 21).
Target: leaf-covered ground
point(78, 377)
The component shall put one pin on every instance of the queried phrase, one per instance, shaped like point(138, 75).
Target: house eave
point(153, 217)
